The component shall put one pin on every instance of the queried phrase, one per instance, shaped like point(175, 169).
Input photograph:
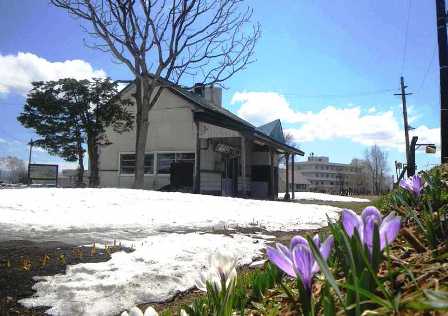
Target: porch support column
point(243, 165)
point(197, 173)
point(287, 197)
point(292, 177)
point(272, 180)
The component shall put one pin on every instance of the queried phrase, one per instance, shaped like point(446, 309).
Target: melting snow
point(85, 215)
point(165, 260)
point(164, 265)
point(323, 197)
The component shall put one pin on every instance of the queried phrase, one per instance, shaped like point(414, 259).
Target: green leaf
point(325, 269)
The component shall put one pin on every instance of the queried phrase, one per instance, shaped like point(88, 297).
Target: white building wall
point(171, 129)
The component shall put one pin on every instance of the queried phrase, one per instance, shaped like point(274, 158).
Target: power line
point(353, 94)
point(405, 48)
point(431, 61)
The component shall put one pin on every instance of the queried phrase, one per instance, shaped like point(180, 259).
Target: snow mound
point(160, 267)
point(323, 197)
point(87, 215)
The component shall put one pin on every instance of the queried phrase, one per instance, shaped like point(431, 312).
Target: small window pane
point(185, 157)
point(164, 162)
point(149, 163)
point(127, 163)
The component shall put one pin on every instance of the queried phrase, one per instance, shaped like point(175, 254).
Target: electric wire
point(405, 46)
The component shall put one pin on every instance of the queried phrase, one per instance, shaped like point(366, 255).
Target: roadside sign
point(43, 174)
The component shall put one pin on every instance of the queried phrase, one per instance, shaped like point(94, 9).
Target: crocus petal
point(369, 226)
point(351, 221)
point(231, 278)
point(285, 250)
point(325, 250)
point(210, 276)
point(135, 311)
point(389, 230)
point(326, 247)
point(298, 240)
point(183, 313)
point(280, 260)
point(417, 185)
point(371, 212)
point(150, 311)
point(405, 184)
point(303, 262)
point(125, 313)
point(316, 240)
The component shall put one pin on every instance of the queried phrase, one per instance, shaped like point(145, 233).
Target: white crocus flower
point(222, 266)
point(135, 311)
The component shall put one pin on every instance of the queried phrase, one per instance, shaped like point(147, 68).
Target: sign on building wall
point(43, 174)
point(212, 131)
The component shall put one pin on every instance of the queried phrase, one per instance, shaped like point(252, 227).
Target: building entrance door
point(230, 177)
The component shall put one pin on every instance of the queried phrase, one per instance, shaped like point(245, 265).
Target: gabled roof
point(274, 130)
point(273, 135)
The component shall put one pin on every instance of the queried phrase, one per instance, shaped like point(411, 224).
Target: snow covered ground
point(167, 230)
point(85, 215)
point(155, 271)
point(323, 197)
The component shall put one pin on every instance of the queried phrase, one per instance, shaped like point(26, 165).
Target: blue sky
point(327, 69)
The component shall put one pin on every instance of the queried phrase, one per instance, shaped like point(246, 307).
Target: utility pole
point(29, 160)
point(443, 63)
point(403, 95)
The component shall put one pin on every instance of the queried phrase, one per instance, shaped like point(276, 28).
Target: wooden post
point(197, 174)
point(287, 197)
point(243, 165)
point(272, 182)
point(292, 177)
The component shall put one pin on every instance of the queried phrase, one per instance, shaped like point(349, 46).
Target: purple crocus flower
point(364, 224)
point(413, 184)
point(298, 260)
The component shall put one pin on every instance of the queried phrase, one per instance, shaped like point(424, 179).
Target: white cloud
point(330, 123)
point(18, 71)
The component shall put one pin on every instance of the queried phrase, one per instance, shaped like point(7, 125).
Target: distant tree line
point(13, 170)
point(371, 173)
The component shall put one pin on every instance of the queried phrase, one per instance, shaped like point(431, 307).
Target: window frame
point(175, 152)
point(133, 153)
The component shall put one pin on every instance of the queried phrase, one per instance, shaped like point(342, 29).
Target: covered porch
point(237, 160)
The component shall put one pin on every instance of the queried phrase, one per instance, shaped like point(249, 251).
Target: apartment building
point(329, 177)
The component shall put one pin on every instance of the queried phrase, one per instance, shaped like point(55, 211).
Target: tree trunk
point(92, 148)
point(143, 95)
point(80, 180)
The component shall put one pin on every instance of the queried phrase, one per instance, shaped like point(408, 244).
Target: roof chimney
point(213, 95)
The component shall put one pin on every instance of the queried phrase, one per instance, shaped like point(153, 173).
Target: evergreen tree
point(68, 114)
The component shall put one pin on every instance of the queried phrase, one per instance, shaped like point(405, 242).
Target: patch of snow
point(160, 267)
point(323, 197)
point(86, 215)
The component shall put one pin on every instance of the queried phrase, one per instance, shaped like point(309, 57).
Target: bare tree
point(13, 169)
point(162, 41)
point(376, 161)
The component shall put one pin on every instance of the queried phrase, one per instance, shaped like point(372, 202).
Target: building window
point(127, 163)
point(164, 160)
